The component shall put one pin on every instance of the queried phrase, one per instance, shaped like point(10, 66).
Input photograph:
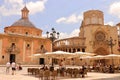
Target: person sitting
point(46, 68)
point(111, 69)
point(83, 71)
point(62, 67)
point(43, 67)
point(20, 67)
point(52, 68)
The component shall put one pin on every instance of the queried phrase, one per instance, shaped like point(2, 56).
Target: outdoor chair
point(41, 73)
point(54, 74)
point(47, 75)
point(75, 72)
point(30, 70)
point(71, 72)
point(36, 72)
point(67, 71)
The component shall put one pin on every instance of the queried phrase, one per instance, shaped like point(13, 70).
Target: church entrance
point(12, 58)
point(101, 51)
point(41, 61)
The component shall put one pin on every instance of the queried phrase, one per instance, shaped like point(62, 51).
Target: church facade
point(94, 37)
point(21, 41)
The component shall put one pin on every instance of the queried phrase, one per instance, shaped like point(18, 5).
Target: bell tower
point(25, 12)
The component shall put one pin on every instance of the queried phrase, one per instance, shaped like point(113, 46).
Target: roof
point(24, 23)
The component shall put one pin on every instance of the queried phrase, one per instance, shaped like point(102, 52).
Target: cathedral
point(21, 41)
point(94, 37)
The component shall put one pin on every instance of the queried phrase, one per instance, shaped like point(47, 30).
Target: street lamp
point(111, 43)
point(53, 35)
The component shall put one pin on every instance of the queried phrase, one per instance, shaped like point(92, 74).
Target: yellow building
point(94, 36)
point(21, 40)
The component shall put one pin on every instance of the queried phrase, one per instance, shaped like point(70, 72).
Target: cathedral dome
point(23, 26)
point(23, 22)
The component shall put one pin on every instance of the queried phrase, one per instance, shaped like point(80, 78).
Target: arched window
point(13, 45)
point(26, 33)
point(94, 20)
point(74, 50)
point(41, 47)
point(83, 50)
point(28, 46)
point(78, 49)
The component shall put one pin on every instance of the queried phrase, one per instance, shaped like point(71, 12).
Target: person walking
point(13, 68)
point(7, 67)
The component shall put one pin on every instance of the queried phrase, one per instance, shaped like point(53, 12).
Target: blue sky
point(64, 15)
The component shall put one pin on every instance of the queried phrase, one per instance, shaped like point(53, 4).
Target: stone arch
point(101, 51)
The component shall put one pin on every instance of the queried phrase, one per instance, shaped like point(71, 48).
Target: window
point(78, 49)
point(26, 33)
point(74, 50)
point(41, 47)
point(94, 20)
point(37, 34)
point(28, 46)
point(83, 50)
point(69, 50)
point(13, 45)
point(12, 31)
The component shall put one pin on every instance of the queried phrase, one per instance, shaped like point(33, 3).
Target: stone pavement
point(23, 75)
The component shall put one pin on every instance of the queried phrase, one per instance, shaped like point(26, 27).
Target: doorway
point(41, 61)
point(12, 58)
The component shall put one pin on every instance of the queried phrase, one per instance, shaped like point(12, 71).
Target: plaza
point(23, 75)
point(25, 44)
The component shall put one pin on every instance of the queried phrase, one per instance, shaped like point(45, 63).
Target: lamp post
point(53, 35)
point(111, 43)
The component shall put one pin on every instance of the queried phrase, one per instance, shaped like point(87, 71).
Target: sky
point(63, 15)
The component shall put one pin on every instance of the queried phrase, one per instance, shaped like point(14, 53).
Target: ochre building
point(21, 41)
point(94, 37)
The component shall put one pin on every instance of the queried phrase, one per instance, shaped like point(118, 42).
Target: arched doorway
point(12, 58)
point(101, 51)
point(41, 61)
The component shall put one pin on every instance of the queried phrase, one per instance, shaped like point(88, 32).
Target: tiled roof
point(23, 22)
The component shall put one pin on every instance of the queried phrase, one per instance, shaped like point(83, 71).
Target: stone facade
point(94, 37)
point(21, 40)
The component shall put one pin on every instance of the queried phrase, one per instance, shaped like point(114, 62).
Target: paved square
point(23, 75)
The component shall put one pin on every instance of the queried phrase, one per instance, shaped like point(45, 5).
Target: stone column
point(32, 51)
point(23, 51)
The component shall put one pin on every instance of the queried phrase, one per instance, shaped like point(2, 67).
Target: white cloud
point(62, 19)
point(110, 23)
point(71, 19)
point(13, 7)
point(115, 9)
point(37, 6)
point(74, 33)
